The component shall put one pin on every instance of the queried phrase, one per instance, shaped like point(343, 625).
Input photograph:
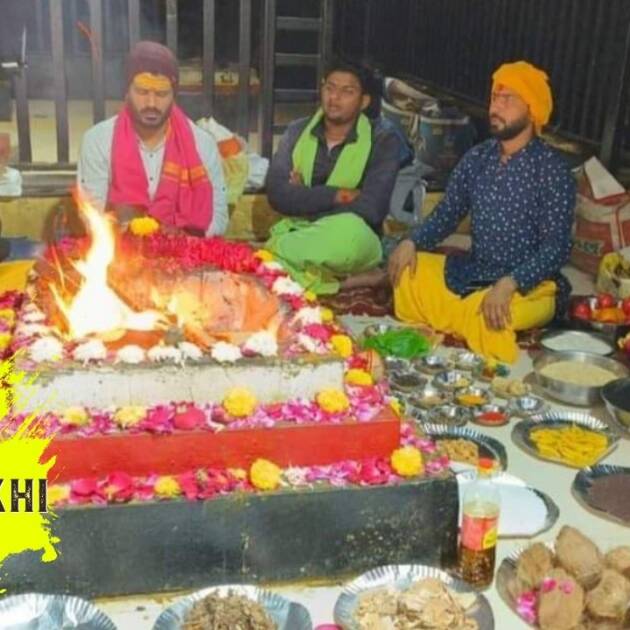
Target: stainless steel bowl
point(452, 380)
point(473, 391)
point(570, 393)
point(395, 364)
point(478, 415)
point(611, 331)
point(406, 381)
point(450, 415)
point(616, 395)
point(526, 406)
point(428, 397)
point(432, 363)
point(467, 361)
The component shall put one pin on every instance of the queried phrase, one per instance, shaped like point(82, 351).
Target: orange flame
point(96, 308)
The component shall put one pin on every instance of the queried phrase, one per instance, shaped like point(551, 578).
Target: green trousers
point(319, 253)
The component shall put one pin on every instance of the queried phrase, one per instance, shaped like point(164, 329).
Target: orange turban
point(531, 84)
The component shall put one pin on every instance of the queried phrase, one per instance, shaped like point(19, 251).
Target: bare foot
point(372, 278)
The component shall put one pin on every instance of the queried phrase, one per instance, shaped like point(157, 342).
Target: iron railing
point(455, 45)
point(101, 30)
point(451, 44)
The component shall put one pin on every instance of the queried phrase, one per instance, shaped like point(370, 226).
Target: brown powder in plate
point(231, 612)
point(611, 494)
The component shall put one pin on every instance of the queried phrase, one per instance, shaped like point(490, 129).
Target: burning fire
point(96, 308)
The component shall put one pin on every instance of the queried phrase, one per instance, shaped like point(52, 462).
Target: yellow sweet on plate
point(572, 445)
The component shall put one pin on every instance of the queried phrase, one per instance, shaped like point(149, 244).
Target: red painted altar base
point(286, 445)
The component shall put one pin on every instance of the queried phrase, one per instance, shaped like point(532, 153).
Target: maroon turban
point(152, 57)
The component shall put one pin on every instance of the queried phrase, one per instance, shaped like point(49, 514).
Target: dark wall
point(456, 45)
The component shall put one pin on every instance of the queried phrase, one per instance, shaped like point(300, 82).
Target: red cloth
point(184, 196)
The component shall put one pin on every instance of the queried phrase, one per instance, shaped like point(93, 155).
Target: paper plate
point(582, 484)
point(552, 511)
point(286, 614)
point(401, 577)
point(38, 611)
point(488, 447)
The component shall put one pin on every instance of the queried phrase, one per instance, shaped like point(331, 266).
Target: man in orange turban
point(528, 83)
point(520, 196)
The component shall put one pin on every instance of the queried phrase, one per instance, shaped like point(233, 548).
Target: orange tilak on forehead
point(149, 81)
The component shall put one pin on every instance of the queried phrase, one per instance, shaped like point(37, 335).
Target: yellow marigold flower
point(394, 403)
point(359, 377)
point(264, 255)
point(332, 400)
point(407, 461)
point(7, 314)
point(238, 473)
point(327, 315)
point(264, 475)
point(342, 345)
point(76, 416)
point(5, 340)
point(310, 296)
point(167, 487)
point(240, 402)
point(56, 494)
point(143, 226)
point(130, 415)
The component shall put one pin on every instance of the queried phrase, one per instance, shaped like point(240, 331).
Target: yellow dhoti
point(424, 298)
point(13, 275)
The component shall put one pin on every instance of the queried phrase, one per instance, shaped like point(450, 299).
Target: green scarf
point(350, 165)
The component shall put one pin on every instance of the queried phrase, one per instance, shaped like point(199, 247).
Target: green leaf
point(401, 342)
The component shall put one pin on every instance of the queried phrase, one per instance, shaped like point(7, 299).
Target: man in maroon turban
point(151, 158)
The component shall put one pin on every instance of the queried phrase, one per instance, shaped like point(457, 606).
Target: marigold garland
point(75, 416)
point(332, 400)
point(342, 345)
point(407, 461)
point(359, 377)
point(129, 416)
point(167, 487)
point(264, 475)
point(143, 226)
point(240, 402)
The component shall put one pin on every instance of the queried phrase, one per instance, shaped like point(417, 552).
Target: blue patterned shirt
point(521, 218)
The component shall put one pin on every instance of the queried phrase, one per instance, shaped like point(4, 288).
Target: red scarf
point(184, 196)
